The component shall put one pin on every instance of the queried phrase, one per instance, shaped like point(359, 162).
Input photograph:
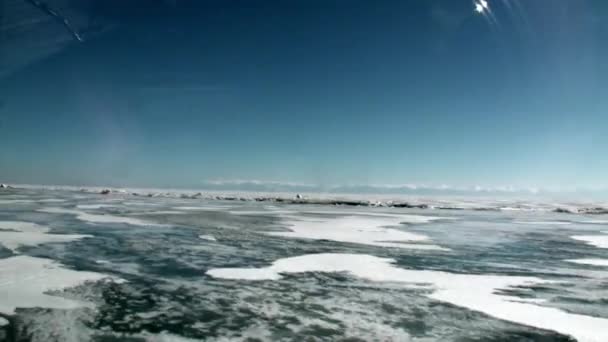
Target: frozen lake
point(80, 266)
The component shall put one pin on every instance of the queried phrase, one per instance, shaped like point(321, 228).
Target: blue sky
point(328, 92)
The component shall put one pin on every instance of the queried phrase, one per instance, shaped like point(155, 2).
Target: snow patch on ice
point(26, 227)
point(207, 237)
point(98, 218)
point(544, 223)
point(594, 262)
point(14, 240)
point(17, 234)
point(403, 218)
point(164, 337)
point(594, 221)
point(245, 273)
point(212, 208)
point(268, 211)
point(364, 229)
point(474, 292)
point(95, 206)
point(600, 241)
point(52, 200)
point(164, 212)
point(25, 282)
point(16, 201)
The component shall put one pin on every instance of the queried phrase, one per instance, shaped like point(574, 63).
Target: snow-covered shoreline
point(481, 203)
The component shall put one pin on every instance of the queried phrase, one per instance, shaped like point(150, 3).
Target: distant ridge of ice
point(479, 200)
point(475, 292)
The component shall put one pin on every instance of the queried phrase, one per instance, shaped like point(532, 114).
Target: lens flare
point(483, 7)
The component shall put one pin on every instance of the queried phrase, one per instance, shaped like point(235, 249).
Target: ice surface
point(28, 227)
point(361, 229)
point(594, 262)
point(16, 234)
point(98, 218)
point(402, 218)
point(544, 223)
point(164, 337)
point(475, 292)
point(24, 282)
point(207, 207)
point(600, 241)
point(16, 201)
point(594, 221)
point(14, 240)
point(52, 200)
point(95, 206)
point(164, 212)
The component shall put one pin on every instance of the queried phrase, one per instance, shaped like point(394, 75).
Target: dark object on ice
point(298, 196)
point(486, 209)
point(562, 210)
point(193, 196)
point(105, 192)
point(593, 211)
point(2, 186)
point(408, 205)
